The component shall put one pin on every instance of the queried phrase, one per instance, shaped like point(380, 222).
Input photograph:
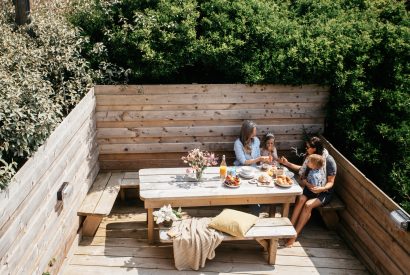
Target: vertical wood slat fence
point(34, 229)
point(154, 125)
point(365, 223)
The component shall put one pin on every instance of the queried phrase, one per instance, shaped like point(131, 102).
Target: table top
point(176, 183)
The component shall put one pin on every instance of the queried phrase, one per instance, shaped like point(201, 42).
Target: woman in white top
point(246, 147)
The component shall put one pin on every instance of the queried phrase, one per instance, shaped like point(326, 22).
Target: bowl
point(247, 170)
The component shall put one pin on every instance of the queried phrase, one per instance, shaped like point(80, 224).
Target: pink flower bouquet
point(199, 160)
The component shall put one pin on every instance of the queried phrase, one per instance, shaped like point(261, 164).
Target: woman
point(313, 196)
point(268, 148)
point(246, 147)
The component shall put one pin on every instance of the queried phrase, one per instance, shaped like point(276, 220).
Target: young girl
point(268, 148)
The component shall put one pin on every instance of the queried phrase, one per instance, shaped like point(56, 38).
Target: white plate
point(247, 172)
point(266, 184)
point(232, 186)
point(289, 174)
point(247, 176)
point(283, 186)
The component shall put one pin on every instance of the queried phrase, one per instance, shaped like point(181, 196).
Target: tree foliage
point(43, 75)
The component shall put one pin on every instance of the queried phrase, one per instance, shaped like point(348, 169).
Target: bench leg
point(90, 225)
point(273, 246)
point(264, 243)
point(330, 218)
point(150, 219)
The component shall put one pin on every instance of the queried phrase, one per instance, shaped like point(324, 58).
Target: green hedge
point(359, 48)
point(43, 75)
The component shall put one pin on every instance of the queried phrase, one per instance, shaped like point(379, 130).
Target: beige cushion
point(233, 222)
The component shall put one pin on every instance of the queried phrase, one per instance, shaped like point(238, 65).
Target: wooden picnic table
point(163, 186)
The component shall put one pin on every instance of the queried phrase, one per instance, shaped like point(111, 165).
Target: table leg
point(285, 209)
point(150, 219)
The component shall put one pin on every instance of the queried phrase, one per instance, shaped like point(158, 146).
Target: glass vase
point(167, 223)
point(198, 174)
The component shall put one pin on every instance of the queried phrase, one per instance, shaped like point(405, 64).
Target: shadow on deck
point(120, 247)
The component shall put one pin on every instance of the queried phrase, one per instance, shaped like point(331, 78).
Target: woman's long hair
point(246, 134)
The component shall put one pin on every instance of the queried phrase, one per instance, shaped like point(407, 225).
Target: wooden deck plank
point(283, 270)
point(232, 264)
point(165, 251)
point(317, 251)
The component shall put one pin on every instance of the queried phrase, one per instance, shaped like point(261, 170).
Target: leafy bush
point(42, 77)
point(360, 48)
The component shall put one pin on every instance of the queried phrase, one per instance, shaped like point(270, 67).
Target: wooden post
point(22, 11)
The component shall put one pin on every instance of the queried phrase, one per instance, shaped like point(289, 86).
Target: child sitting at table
point(268, 148)
point(316, 174)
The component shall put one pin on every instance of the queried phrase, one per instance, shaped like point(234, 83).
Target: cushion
point(233, 222)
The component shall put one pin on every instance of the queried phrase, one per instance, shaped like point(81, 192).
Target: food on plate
point(264, 179)
point(272, 171)
point(232, 180)
point(283, 180)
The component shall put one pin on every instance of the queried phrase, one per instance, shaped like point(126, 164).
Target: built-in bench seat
point(131, 180)
point(266, 231)
point(101, 198)
point(329, 212)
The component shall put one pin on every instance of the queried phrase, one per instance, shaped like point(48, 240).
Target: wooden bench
point(266, 232)
point(131, 180)
point(101, 198)
point(329, 212)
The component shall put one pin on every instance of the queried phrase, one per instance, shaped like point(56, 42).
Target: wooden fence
point(365, 223)
point(154, 125)
point(34, 229)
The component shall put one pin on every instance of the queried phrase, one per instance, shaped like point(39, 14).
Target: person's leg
point(304, 217)
point(306, 213)
point(297, 209)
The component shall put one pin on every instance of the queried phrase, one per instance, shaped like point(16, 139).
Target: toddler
point(316, 176)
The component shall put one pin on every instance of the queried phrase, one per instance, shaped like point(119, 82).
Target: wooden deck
point(120, 247)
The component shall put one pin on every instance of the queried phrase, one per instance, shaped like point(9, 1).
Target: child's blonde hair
point(316, 160)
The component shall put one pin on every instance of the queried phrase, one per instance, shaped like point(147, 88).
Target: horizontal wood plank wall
point(34, 230)
point(154, 125)
point(365, 223)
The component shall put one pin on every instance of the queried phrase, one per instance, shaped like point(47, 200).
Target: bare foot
point(289, 243)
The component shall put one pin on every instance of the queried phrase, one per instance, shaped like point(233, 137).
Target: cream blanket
point(194, 242)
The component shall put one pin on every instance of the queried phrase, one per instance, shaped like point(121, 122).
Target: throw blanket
point(194, 242)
